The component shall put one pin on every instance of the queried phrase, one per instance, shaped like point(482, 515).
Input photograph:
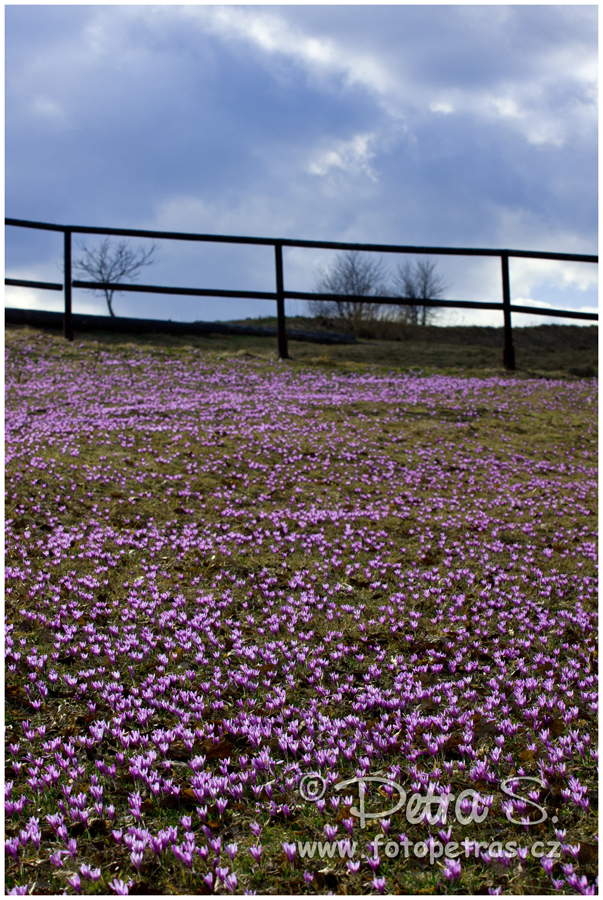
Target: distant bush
point(354, 276)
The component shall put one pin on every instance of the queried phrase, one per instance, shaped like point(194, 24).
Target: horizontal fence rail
point(42, 285)
point(281, 294)
point(156, 289)
point(454, 304)
point(292, 242)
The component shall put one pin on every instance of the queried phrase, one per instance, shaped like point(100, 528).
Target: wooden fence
point(280, 293)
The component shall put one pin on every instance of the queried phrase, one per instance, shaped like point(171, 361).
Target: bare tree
point(418, 282)
point(352, 275)
point(112, 264)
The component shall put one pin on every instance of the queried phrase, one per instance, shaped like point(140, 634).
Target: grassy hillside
point(545, 349)
point(233, 584)
point(549, 350)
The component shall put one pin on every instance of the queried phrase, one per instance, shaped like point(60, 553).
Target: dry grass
point(546, 350)
point(552, 351)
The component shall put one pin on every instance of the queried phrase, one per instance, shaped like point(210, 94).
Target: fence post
point(67, 323)
point(280, 303)
point(509, 351)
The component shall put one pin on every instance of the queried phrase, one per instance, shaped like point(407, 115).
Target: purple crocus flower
point(290, 850)
point(183, 854)
point(12, 846)
point(230, 882)
point(222, 872)
point(452, 870)
point(74, 881)
point(120, 887)
point(256, 852)
point(88, 873)
point(216, 844)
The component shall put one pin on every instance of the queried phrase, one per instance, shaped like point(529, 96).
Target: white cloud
point(441, 106)
point(351, 156)
point(272, 33)
point(527, 108)
point(52, 301)
point(523, 320)
point(506, 106)
point(528, 301)
point(490, 319)
point(535, 120)
point(520, 99)
point(529, 274)
point(29, 298)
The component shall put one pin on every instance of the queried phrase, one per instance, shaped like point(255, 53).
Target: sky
point(457, 126)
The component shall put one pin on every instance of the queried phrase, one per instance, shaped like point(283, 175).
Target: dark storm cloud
point(467, 126)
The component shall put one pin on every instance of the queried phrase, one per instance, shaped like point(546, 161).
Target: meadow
point(238, 589)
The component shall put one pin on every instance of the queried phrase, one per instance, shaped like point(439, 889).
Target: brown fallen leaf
point(485, 727)
point(16, 696)
point(217, 751)
point(145, 887)
point(588, 853)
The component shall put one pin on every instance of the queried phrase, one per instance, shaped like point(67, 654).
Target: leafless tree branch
point(418, 282)
point(112, 264)
point(353, 275)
